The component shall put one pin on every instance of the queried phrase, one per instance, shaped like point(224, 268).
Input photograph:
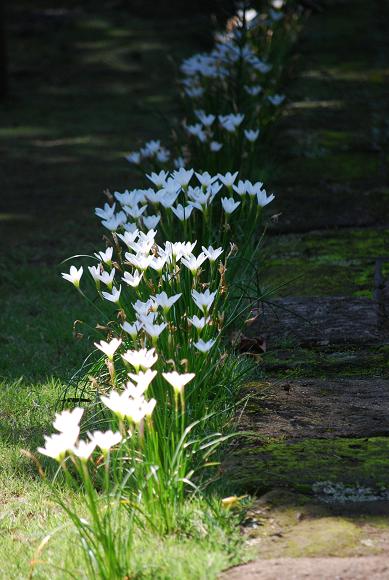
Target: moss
point(298, 464)
point(326, 362)
point(324, 263)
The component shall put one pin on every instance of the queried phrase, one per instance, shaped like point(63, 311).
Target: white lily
point(212, 254)
point(132, 279)
point(251, 135)
point(181, 212)
point(142, 380)
point(131, 329)
point(215, 146)
point(105, 440)
point(229, 204)
point(203, 346)
point(105, 256)
point(178, 381)
point(114, 296)
point(74, 275)
point(142, 358)
point(151, 221)
point(192, 263)
point(263, 199)
point(204, 300)
point(166, 302)
point(228, 179)
point(57, 445)
point(109, 348)
point(199, 323)
point(84, 449)
point(68, 421)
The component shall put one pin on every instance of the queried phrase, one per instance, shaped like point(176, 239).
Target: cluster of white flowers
point(130, 404)
point(150, 150)
point(66, 440)
point(229, 77)
point(151, 316)
point(176, 196)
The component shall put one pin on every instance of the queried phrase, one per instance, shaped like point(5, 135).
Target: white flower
point(197, 131)
point(68, 421)
point(166, 302)
point(143, 308)
point(241, 187)
point(263, 199)
point(130, 227)
point(114, 297)
point(228, 179)
point(151, 221)
point(84, 449)
point(231, 122)
point(115, 221)
point(109, 348)
point(95, 272)
point(182, 213)
point(199, 323)
point(205, 119)
point(276, 99)
point(163, 155)
point(105, 440)
point(253, 91)
point(204, 300)
point(212, 254)
point(143, 358)
point(151, 147)
point(129, 237)
point(140, 261)
point(194, 92)
point(106, 212)
point(215, 146)
point(74, 275)
point(142, 380)
point(179, 249)
point(203, 346)
point(131, 329)
point(179, 162)
point(132, 279)
point(159, 179)
point(107, 278)
point(183, 176)
point(193, 263)
point(123, 406)
point(106, 256)
point(229, 204)
point(154, 330)
point(58, 444)
point(133, 157)
point(178, 381)
point(205, 178)
point(158, 262)
point(251, 135)
point(261, 66)
point(134, 211)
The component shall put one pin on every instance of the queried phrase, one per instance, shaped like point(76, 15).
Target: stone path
point(322, 408)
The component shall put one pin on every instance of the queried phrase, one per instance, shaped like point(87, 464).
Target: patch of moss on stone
point(326, 362)
point(325, 263)
point(346, 166)
point(297, 465)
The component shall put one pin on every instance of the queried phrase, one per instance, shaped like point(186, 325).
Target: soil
point(376, 568)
